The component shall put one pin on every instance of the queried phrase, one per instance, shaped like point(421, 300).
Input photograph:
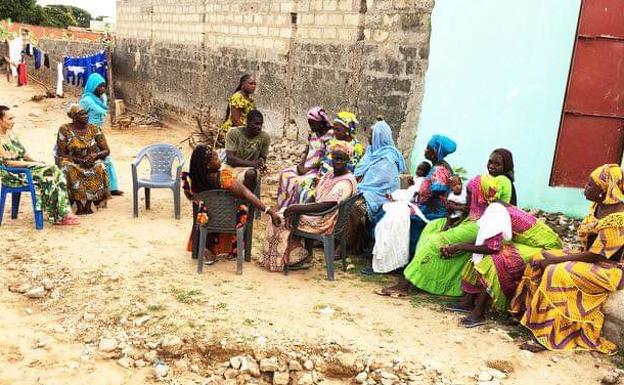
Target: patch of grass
point(249, 322)
point(156, 308)
point(221, 306)
point(186, 296)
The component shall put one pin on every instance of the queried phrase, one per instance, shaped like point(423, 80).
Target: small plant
point(186, 296)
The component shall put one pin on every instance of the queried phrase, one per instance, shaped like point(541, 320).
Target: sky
point(95, 7)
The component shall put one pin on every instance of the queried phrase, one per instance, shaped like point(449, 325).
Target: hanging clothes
point(59, 79)
point(46, 60)
point(29, 50)
point(22, 76)
point(37, 53)
point(15, 54)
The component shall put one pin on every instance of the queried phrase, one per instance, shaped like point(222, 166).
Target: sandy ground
point(113, 264)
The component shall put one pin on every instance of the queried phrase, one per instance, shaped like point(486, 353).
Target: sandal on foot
point(389, 293)
point(212, 261)
point(367, 271)
point(470, 323)
point(532, 347)
point(300, 266)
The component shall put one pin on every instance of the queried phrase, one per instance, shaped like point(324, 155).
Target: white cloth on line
point(59, 79)
point(15, 54)
point(495, 220)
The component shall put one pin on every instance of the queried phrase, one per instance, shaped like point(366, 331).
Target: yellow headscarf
point(341, 145)
point(611, 180)
point(347, 119)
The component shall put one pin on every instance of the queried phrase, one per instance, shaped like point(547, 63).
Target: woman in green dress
point(50, 185)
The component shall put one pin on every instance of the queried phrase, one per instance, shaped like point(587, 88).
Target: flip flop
point(300, 266)
point(68, 221)
point(211, 262)
point(470, 323)
point(382, 292)
point(367, 271)
point(458, 309)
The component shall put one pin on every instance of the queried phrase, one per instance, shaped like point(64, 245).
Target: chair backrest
point(344, 209)
point(161, 157)
point(222, 209)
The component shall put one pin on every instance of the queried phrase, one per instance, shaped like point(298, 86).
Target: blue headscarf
point(380, 167)
point(382, 148)
point(442, 145)
point(94, 105)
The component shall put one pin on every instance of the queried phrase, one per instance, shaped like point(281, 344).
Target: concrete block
point(285, 32)
point(330, 5)
point(335, 19)
point(352, 19)
point(329, 33)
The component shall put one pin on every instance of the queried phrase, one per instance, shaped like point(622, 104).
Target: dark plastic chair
point(222, 210)
point(161, 158)
point(16, 193)
point(344, 209)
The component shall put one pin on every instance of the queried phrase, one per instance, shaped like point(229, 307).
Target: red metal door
point(592, 124)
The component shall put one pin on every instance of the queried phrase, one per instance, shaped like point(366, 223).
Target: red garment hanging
point(22, 76)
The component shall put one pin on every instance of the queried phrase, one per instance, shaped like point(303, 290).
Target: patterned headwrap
point(493, 187)
point(347, 119)
point(341, 145)
point(442, 145)
point(318, 114)
point(73, 110)
point(611, 180)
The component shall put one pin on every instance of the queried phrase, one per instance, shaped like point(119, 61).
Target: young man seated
point(246, 150)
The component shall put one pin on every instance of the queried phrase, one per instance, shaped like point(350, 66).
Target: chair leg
point(147, 198)
point(343, 253)
point(176, 201)
point(248, 241)
point(202, 246)
point(15, 202)
point(328, 245)
point(3, 195)
point(240, 249)
point(135, 200)
point(37, 213)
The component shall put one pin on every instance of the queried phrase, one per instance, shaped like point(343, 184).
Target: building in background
point(541, 78)
point(106, 24)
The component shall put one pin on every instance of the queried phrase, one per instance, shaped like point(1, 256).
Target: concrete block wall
point(367, 56)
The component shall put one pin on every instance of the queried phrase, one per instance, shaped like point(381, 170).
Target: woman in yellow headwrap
point(82, 149)
point(561, 294)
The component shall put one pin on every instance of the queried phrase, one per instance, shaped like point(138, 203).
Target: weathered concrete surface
point(369, 56)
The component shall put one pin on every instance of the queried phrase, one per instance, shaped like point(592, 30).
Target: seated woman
point(50, 185)
point(562, 292)
point(345, 125)
point(205, 174)
point(82, 149)
point(292, 179)
point(429, 270)
point(280, 248)
point(497, 264)
point(378, 172)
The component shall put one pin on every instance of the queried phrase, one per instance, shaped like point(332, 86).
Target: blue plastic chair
point(16, 194)
point(343, 209)
point(161, 158)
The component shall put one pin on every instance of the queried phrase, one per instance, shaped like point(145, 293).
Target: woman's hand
point(290, 211)
point(450, 250)
point(275, 218)
point(548, 259)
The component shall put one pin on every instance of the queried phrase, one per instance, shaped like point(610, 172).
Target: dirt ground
point(114, 269)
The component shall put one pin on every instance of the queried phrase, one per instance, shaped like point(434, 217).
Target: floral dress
point(290, 188)
point(238, 101)
point(85, 183)
point(50, 185)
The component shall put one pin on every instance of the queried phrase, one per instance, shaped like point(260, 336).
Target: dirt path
point(114, 269)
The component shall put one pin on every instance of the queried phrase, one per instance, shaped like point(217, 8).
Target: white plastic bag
point(391, 250)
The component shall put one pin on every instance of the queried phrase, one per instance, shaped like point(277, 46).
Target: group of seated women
point(471, 242)
point(83, 175)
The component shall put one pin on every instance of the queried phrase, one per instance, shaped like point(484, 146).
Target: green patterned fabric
point(50, 185)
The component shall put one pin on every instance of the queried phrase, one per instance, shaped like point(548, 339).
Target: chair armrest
point(296, 217)
point(16, 170)
point(137, 161)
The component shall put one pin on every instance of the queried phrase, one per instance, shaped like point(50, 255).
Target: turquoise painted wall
point(497, 77)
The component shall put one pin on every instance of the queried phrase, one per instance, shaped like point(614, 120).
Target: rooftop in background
point(40, 32)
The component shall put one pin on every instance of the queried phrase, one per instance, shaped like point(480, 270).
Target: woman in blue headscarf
point(378, 175)
point(431, 199)
point(94, 101)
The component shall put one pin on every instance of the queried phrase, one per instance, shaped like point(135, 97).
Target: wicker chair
point(343, 208)
point(222, 209)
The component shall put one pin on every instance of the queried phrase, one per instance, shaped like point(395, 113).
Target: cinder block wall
point(368, 56)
